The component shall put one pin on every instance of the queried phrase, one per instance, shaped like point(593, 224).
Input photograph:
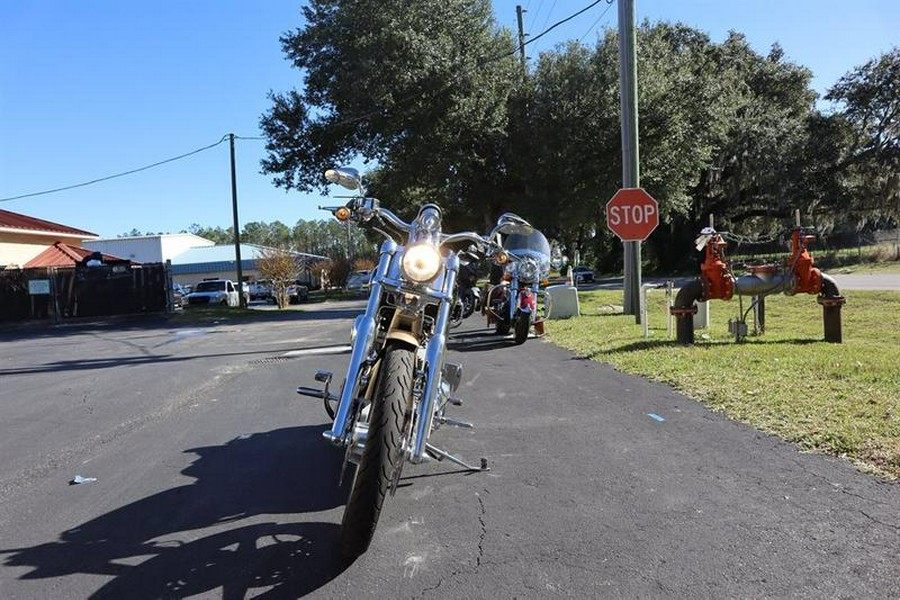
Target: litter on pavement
point(78, 479)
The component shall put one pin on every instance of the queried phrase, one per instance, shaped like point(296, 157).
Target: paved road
point(213, 481)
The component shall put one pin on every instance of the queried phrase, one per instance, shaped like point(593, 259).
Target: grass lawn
point(842, 399)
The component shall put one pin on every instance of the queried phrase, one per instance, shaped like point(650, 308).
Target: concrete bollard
point(563, 302)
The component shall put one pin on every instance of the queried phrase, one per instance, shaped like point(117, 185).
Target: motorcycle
point(398, 383)
point(468, 297)
point(513, 302)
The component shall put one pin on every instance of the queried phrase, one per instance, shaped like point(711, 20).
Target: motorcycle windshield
point(533, 245)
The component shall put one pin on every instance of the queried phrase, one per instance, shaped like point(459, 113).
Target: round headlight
point(528, 270)
point(421, 262)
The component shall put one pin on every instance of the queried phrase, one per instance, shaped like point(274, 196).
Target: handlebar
point(367, 211)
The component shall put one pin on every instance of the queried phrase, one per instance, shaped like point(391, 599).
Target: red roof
point(16, 221)
point(64, 255)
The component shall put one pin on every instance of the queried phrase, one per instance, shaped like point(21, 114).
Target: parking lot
point(208, 477)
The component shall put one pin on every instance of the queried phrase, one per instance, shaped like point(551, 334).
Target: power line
point(549, 13)
point(537, 12)
point(131, 172)
point(566, 20)
point(591, 28)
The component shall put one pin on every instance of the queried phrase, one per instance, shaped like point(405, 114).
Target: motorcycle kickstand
point(441, 455)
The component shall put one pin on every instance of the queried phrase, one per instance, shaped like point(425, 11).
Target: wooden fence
point(60, 293)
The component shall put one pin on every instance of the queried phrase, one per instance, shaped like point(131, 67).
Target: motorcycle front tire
point(503, 324)
point(373, 474)
point(468, 304)
point(523, 322)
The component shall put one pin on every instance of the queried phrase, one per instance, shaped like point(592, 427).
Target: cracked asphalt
point(213, 480)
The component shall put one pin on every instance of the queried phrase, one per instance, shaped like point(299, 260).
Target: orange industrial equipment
point(807, 278)
point(718, 282)
point(797, 275)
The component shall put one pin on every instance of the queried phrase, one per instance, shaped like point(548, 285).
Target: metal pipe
point(684, 309)
point(755, 285)
point(831, 300)
point(829, 287)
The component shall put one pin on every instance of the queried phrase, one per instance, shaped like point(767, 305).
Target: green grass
point(841, 399)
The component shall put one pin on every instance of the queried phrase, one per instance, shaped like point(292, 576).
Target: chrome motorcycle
point(398, 383)
point(513, 302)
point(468, 295)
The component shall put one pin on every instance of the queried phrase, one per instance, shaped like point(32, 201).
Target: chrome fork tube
point(513, 297)
point(362, 347)
point(435, 352)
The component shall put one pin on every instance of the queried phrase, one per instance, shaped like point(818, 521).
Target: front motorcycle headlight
point(421, 262)
point(528, 270)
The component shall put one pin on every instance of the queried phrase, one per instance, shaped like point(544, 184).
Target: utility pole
point(631, 177)
point(237, 229)
point(349, 244)
point(519, 11)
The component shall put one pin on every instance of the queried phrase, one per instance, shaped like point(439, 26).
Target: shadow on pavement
point(156, 546)
point(481, 340)
point(86, 364)
point(11, 331)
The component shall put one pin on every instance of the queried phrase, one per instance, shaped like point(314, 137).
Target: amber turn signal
point(342, 214)
point(501, 258)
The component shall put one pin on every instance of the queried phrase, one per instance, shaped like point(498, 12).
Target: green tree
point(870, 98)
point(216, 234)
point(420, 87)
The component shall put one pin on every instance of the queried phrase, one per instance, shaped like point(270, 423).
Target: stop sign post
point(632, 214)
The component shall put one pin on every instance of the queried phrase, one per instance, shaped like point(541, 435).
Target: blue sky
point(91, 89)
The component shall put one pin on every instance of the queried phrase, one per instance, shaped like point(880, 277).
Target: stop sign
point(632, 214)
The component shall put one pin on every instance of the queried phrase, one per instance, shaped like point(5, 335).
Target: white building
point(149, 248)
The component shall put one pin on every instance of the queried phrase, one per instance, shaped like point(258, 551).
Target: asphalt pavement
point(212, 479)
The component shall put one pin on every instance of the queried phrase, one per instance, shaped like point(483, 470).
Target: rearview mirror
point(346, 177)
point(510, 223)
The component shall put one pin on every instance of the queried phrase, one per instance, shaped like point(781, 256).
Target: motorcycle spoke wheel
point(376, 466)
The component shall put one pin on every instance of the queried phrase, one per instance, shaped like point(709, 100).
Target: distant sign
point(38, 287)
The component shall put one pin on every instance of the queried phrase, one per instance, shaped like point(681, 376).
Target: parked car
point(260, 290)
point(358, 281)
point(214, 291)
point(178, 295)
point(582, 274)
point(297, 293)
